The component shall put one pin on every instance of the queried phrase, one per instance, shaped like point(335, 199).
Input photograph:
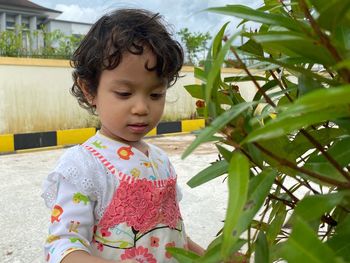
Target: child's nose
point(140, 107)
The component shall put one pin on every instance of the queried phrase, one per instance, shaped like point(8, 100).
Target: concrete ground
point(24, 218)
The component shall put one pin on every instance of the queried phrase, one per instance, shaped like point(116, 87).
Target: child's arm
point(82, 256)
point(72, 223)
point(194, 247)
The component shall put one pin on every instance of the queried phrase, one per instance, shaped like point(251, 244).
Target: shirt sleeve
point(72, 222)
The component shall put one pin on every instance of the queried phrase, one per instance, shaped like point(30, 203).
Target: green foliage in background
point(286, 153)
point(39, 43)
point(196, 45)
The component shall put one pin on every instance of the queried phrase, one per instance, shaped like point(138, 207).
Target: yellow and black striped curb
point(10, 143)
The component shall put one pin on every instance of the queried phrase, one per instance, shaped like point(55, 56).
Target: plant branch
point(306, 184)
point(280, 84)
point(261, 221)
point(303, 170)
point(229, 141)
point(324, 40)
point(308, 136)
point(244, 67)
point(291, 195)
point(268, 100)
point(284, 201)
point(325, 154)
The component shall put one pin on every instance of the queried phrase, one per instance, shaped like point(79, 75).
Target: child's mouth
point(138, 128)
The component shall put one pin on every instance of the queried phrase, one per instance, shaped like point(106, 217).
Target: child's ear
point(89, 97)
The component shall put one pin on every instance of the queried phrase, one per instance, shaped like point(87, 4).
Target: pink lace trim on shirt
point(142, 206)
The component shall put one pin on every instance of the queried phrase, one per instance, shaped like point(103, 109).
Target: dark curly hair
point(123, 30)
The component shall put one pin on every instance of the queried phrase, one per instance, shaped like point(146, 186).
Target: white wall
point(68, 28)
point(34, 97)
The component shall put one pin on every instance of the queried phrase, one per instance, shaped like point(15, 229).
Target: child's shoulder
point(75, 153)
point(78, 158)
point(157, 149)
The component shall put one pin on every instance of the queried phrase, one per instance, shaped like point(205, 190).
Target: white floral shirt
point(113, 201)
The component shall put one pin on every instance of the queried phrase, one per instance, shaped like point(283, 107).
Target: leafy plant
point(288, 174)
point(39, 43)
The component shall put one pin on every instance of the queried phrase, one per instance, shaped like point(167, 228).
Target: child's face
point(130, 99)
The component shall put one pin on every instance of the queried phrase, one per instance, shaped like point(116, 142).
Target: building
point(30, 17)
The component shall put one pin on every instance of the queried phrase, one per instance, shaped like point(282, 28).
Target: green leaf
point(275, 227)
point(343, 64)
point(243, 78)
point(182, 255)
point(259, 188)
point(311, 208)
point(295, 44)
point(340, 151)
point(267, 86)
point(296, 10)
point(213, 254)
point(261, 249)
point(278, 146)
point(309, 109)
point(333, 13)
point(214, 170)
point(316, 101)
point(216, 67)
point(223, 98)
point(303, 245)
point(286, 125)
point(195, 90)
point(252, 47)
point(344, 124)
point(291, 64)
point(238, 178)
point(218, 40)
point(216, 125)
point(340, 241)
point(245, 12)
point(301, 144)
point(307, 85)
point(254, 153)
point(227, 154)
point(200, 74)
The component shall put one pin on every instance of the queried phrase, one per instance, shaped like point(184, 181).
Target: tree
point(195, 43)
point(286, 153)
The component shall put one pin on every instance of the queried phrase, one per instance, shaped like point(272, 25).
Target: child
point(114, 198)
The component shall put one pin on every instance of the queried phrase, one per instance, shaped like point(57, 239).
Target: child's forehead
point(146, 59)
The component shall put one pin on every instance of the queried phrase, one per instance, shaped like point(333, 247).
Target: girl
point(114, 198)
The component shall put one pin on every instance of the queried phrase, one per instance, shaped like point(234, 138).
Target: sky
point(178, 13)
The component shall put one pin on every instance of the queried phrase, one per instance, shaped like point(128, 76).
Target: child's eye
point(122, 94)
point(157, 95)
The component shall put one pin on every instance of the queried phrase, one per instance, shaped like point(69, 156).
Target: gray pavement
point(24, 218)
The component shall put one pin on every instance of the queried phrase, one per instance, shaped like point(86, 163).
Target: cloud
point(178, 13)
point(78, 14)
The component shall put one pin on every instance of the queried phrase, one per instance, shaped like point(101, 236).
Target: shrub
point(286, 153)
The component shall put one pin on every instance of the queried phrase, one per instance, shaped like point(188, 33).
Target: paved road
point(24, 218)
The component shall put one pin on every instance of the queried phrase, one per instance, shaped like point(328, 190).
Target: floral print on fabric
point(142, 206)
point(125, 152)
point(154, 241)
point(140, 254)
point(167, 254)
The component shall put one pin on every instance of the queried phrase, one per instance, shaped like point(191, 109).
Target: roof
point(27, 5)
point(70, 22)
